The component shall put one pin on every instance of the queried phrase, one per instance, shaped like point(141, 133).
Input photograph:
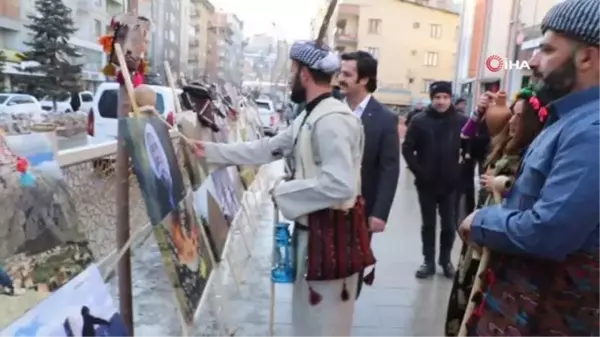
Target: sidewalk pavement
point(397, 304)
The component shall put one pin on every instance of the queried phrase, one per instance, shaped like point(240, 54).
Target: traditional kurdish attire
point(505, 170)
point(543, 273)
point(330, 233)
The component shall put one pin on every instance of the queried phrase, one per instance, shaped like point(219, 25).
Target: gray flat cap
point(578, 19)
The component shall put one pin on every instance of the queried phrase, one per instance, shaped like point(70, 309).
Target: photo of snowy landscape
point(82, 307)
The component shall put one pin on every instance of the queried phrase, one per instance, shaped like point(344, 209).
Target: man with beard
point(321, 195)
point(543, 240)
point(381, 162)
point(431, 149)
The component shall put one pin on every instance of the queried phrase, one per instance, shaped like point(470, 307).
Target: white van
point(102, 117)
point(63, 103)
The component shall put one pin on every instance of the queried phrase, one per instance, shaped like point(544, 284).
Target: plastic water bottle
point(283, 267)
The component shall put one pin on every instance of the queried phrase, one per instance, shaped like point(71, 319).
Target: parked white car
point(268, 117)
point(102, 116)
point(19, 104)
point(63, 103)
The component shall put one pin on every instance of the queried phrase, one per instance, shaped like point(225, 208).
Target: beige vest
point(307, 159)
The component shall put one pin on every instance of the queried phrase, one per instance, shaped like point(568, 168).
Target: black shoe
point(448, 270)
point(426, 270)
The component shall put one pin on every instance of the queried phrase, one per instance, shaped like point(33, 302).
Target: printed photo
point(196, 168)
point(236, 180)
point(185, 255)
point(225, 193)
point(44, 246)
point(154, 164)
point(211, 214)
point(82, 307)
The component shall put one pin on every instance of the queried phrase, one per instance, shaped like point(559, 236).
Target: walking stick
point(483, 264)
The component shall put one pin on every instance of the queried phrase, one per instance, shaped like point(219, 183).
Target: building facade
point(169, 37)
point(415, 44)
point(227, 63)
point(506, 28)
point(200, 20)
point(90, 17)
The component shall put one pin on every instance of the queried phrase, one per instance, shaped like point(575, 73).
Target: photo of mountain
point(43, 246)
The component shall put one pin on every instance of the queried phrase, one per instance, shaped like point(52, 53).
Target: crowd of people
point(529, 262)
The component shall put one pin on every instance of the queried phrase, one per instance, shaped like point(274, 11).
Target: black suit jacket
point(381, 159)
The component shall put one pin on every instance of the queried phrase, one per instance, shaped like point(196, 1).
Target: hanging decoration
point(131, 32)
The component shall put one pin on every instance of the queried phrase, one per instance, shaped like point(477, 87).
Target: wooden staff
point(122, 198)
point(483, 264)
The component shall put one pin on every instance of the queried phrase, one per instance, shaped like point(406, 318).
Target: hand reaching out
point(198, 149)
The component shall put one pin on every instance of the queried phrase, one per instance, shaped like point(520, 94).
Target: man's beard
point(557, 84)
point(298, 94)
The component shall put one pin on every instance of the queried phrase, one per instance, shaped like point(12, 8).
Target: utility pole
point(122, 207)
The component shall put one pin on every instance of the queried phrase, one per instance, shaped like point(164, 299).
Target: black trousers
point(432, 203)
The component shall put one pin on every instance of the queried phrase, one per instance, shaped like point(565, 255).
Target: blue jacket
point(553, 207)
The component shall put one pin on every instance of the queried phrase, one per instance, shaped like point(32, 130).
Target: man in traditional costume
point(322, 196)
point(542, 277)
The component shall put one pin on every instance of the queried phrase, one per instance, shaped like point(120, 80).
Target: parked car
point(267, 115)
point(19, 104)
point(102, 117)
point(63, 102)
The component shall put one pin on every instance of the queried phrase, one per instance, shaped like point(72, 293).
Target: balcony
point(10, 15)
point(348, 11)
point(344, 38)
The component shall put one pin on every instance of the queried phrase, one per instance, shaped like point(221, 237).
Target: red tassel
point(370, 278)
point(315, 297)
point(345, 294)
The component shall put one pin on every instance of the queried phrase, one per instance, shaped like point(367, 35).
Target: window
point(108, 103)
point(431, 59)
point(85, 97)
point(435, 31)
point(416, 25)
point(374, 52)
point(97, 28)
point(426, 85)
point(374, 26)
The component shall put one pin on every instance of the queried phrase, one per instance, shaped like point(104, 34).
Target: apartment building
point(200, 14)
point(414, 42)
point(227, 62)
point(507, 28)
point(169, 36)
point(91, 19)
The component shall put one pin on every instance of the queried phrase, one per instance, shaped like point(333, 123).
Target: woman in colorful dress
point(502, 165)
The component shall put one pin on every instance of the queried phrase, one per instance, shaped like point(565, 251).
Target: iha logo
point(496, 63)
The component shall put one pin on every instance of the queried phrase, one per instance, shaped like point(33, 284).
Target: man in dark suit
point(381, 158)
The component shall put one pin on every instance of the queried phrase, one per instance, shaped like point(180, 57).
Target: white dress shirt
point(358, 111)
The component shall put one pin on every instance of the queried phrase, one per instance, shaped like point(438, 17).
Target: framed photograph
point(43, 247)
point(186, 256)
point(82, 307)
point(155, 165)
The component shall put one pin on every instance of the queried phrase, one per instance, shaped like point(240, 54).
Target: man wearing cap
point(542, 278)
point(326, 143)
point(431, 149)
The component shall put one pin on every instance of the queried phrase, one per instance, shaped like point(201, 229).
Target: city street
point(397, 304)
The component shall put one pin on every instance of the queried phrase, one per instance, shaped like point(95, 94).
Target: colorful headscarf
point(529, 95)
